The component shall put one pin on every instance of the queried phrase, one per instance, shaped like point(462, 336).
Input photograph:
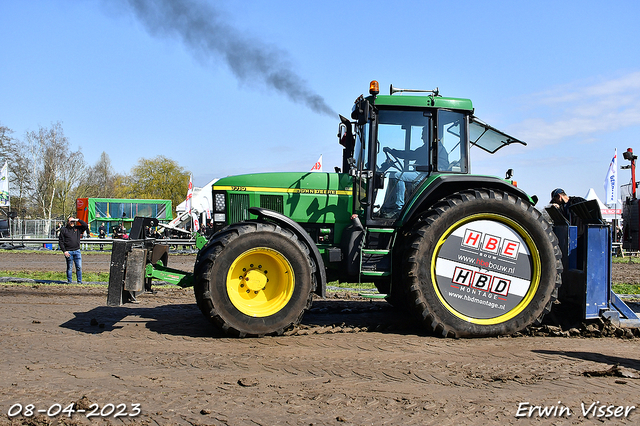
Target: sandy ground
point(353, 362)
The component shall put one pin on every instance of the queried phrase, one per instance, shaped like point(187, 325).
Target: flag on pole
point(189, 196)
point(611, 181)
point(4, 186)
point(318, 166)
point(189, 206)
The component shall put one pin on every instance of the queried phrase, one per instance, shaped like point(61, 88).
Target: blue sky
point(564, 76)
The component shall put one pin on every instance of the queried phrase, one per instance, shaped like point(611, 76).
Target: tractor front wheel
point(254, 279)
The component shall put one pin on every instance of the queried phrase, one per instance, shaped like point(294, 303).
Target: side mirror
point(342, 134)
point(342, 131)
point(345, 134)
point(360, 111)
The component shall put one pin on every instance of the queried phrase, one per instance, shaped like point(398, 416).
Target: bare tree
point(73, 167)
point(44, 172)
point(14, 152)
point(99, 180)
point(55, 169)
point(5, 138)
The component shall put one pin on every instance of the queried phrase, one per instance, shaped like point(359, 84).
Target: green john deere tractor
point(467, 255)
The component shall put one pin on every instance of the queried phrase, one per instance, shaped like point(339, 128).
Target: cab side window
point(452, 142)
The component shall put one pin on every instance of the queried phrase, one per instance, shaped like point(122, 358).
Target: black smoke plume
point(203, 30)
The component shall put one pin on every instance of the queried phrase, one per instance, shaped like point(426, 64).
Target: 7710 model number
point(94, 410)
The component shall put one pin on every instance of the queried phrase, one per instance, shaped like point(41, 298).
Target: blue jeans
point(394, 198)
point(74, 257)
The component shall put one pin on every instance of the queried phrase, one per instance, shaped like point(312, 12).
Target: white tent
point(200, 203)
point(607, 213)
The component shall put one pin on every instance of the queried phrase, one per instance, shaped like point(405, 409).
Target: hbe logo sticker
point(491, 244)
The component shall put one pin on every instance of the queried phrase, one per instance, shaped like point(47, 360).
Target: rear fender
point(445, 185)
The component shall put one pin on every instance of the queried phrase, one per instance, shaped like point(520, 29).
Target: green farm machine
point(467, 255)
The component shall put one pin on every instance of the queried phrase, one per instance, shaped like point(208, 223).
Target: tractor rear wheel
point(254, 279)
point(481, 263)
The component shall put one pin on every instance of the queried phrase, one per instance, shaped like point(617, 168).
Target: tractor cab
point(402, 142)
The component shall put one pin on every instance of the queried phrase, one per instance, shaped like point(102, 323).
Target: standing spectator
point(69, 242)
point(102, 234)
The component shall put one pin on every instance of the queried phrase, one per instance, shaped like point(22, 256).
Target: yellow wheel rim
point(260, 282)
point(535, 273)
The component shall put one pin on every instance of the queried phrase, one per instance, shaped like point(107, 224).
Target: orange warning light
point(374, 88)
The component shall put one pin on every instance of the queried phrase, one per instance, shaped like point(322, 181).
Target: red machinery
point(631, 208)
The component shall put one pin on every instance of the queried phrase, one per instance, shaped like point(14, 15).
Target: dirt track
point(364, 364)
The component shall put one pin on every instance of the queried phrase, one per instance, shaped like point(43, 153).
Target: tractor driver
point(398, 180)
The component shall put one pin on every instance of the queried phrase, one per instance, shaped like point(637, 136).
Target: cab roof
point(422, 101)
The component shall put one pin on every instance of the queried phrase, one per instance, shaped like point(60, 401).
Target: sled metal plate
point(568, 243)
point(116, 272)
point(134, 275)
point(597, 270)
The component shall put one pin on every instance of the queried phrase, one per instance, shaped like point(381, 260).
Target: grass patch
point(626, 288)
point(56, 285)
point(54, 252)
point(56, 276)
point(628, 259)
point(31, 250)
point(357, 286)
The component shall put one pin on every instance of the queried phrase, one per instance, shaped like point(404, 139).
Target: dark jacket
point(566, 211)
point(69, 239)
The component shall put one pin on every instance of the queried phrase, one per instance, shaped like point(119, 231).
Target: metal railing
point(33, 228)
point(37, 232)
point(86, 243)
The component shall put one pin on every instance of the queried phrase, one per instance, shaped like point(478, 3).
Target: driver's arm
point(397, 152)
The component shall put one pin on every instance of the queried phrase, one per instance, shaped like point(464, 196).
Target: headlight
point(219, 203)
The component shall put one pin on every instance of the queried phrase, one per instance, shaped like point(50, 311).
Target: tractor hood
point(314, 198)
point(488, 138)
point(288, 182)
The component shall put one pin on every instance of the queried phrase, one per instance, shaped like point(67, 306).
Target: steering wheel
point(391, 161)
